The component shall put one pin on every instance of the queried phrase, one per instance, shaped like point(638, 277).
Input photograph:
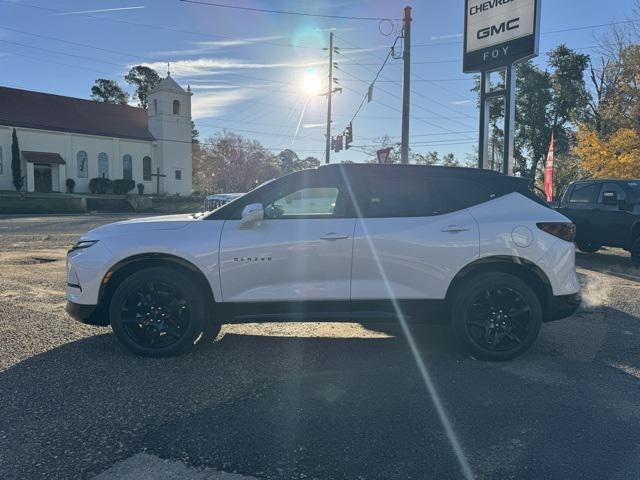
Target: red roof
point(24, 108)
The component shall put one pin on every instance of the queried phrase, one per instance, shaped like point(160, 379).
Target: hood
point(164, 222)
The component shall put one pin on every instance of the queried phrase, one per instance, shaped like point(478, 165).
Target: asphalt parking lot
point(309, 401)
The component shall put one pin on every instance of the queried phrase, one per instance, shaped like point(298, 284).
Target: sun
point(312, 83)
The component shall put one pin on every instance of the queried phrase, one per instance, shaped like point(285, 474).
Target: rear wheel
point(496, 316)
point(635, 252)
point(588, 247)
point(157, 312)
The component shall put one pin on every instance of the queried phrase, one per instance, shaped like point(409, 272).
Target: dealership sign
point(499, 32)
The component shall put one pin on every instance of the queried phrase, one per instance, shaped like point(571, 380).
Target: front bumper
point(563, 306)
point(89, 314)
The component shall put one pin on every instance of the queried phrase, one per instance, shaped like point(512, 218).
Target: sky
point(257, 74)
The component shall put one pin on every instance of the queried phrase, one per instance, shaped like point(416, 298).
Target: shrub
point(100, 185)
point(123, 185)
point(140, 188)
point(71, 184)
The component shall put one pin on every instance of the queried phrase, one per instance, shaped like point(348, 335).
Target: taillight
point(564, 230)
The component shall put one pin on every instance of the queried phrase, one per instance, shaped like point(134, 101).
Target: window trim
point(176, 111)
point(106, 156)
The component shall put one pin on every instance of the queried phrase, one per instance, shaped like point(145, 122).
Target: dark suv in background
point(606, 213)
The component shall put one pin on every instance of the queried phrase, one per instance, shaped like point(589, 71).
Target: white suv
point(340, 242)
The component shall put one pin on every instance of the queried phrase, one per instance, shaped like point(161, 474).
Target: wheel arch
point(125, 267)
point(528, 271)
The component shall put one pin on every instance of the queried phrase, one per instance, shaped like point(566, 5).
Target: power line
point(548, 32)
point(282, 12)
point(157, 27)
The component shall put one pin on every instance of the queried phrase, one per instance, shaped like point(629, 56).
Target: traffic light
point(338, 143)
point(348, 136)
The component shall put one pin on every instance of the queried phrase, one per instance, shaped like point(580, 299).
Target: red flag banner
point(548, 172)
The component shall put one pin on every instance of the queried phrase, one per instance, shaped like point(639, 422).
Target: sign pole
point(509, 120)
point(483, 139)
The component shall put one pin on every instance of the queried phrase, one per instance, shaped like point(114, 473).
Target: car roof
point(396, 167)
point(612, 180)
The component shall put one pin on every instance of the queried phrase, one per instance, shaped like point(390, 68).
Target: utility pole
point(406, 86)
point(327, 155)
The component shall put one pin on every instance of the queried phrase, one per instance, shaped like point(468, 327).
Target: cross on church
point(158, 175)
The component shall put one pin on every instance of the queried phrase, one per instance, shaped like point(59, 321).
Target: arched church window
point(176, 107)
point(127, 167)
point(82, 164)
point(103, 165)
point(146, 168)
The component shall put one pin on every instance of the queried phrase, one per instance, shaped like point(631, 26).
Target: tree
point(616, 156)
point(144, 79)
point(16, 169)
point(108, 91)
point(309, 162)
point(194, 133)
point(237, 164)
point(288, 159)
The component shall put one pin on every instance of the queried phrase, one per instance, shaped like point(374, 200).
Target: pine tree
point(15, 162)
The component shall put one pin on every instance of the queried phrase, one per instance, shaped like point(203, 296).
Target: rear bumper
point(89, 314)
point(563, 306)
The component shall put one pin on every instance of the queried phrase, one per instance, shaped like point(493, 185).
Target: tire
point(635, 252)
point(496, 316)
point(588, 247)
point(157, 312)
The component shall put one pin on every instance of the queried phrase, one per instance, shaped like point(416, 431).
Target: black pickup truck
point(606, 213)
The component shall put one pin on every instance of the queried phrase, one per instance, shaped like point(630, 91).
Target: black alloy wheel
point(496, 316)
point(155, 315)
point(158, 312)
point(635, 252)
point(499, 319)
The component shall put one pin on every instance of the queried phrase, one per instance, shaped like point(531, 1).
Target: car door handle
point(333, 236)
point(455, 229)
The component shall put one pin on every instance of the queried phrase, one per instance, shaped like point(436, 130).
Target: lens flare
point(312, 83)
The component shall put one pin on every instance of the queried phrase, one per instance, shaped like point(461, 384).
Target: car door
point(612, 223)
point(406, 247)
point(580, 206)
point(302, 249)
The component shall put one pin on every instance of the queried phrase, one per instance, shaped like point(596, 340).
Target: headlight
point(83, 244)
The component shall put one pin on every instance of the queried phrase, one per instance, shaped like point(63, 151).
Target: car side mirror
point(251, 215)
point(610, 198)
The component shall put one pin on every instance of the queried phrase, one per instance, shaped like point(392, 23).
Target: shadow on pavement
point(326, 408)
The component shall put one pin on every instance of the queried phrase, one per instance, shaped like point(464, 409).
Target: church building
point(64, 137)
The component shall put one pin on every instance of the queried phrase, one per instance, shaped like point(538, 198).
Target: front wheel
point(157, 312)
point(588, 247)
point(496, 316)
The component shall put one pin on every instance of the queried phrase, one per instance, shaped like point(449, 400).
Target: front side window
point(401, 196)
point(584, 193)
point(103, 165)
point(127, 167)
point(82, 164)
point(305, 202)
point(146, 168)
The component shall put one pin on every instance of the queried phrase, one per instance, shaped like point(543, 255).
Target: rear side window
point(612, 187)
point(398, 196)
point(584, 193)
point(459, 193)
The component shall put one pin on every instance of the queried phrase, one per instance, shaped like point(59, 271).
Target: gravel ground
point(324, 401)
